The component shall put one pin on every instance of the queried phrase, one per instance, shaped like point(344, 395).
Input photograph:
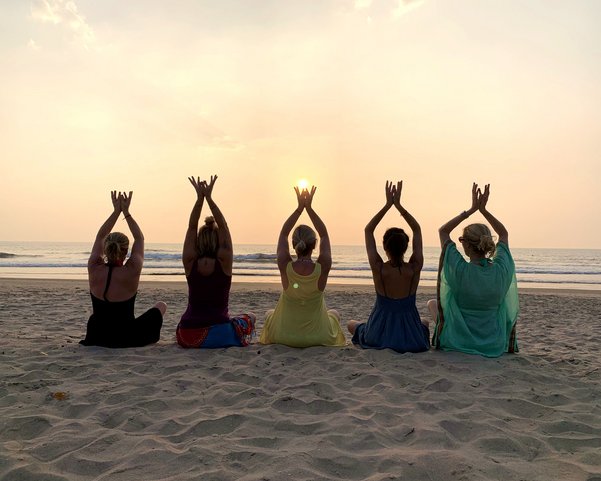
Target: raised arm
point(136, 259)
point(226, 248)
point(96, 256)
point(325, 250)
point(417, 255)
point(189, 250)
point(494, 222)
point(445, 231)
point(283, 249)
point(374, 258)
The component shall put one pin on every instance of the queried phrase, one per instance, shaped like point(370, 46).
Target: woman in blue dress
point(394, 321)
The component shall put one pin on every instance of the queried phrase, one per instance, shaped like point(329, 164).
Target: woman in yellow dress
point(300, 318)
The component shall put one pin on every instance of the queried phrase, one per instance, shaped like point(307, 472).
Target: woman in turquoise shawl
point(477, 305)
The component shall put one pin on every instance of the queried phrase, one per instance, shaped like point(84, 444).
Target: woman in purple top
point(208, 257)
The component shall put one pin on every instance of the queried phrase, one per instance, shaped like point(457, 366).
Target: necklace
point(304, 259)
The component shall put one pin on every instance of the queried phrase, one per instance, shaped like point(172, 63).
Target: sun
point(303, 184)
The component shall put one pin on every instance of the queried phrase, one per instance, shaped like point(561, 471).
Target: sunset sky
point(101, 95)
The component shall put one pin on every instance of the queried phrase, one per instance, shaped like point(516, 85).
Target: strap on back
point(400, 274)
point(382, 280)
point(108, 282)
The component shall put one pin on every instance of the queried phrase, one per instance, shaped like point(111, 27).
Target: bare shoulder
point(95, 265)
point(95, 259)
point(283, 261)
point(376, 263)
point(134, 264)
point(414, 266)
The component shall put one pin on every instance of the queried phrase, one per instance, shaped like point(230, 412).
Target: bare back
point(396, 282)
point(205, 266)
point(123, 283)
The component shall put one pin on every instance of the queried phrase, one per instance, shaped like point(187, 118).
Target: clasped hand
point(479, 198)
point(121, 201)
point(393, 194)
point(304, 197)
point(202, 188)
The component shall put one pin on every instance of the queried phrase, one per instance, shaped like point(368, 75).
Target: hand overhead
point(483, 198)
point(208, 187)
point(475, 196)
point(125, 201)
point(115, 198)
point(390, 191)
point(197, 183)
point(308, 197)
point(299, 198)
point(397, 194)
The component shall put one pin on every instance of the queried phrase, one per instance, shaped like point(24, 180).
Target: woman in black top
point(114, 285)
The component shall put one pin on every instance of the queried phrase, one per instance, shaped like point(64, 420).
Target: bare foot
point(161, 306)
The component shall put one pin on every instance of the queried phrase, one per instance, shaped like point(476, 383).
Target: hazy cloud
point(224, 142)
point(386, 8)
point(360, 4)
point(405, 6)
point(46, 11)
point(64, 12)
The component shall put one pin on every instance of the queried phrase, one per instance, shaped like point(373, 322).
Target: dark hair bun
point(395, 244)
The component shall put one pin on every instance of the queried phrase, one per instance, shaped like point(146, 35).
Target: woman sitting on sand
point(394, 321)
point(114, 284)
point(208, 257)
point(300, 318)
point(477, 304)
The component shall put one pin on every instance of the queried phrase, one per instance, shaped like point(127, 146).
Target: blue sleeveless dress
point(393, 324)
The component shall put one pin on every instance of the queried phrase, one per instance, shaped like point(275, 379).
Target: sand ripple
point(276, 413)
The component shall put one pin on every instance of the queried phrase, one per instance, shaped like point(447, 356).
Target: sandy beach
point(68, 412)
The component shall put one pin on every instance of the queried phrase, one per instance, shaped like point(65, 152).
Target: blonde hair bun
point(486, 244)
point(303, 240)
point(207, 240)
point(115, 247)
point(480, 239)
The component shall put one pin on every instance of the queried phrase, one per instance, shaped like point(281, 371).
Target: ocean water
point(548, 268)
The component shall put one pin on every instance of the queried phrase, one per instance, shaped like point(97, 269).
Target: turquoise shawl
point(477, 304)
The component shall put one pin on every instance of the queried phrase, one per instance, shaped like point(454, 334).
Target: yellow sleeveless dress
point(300, 318)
